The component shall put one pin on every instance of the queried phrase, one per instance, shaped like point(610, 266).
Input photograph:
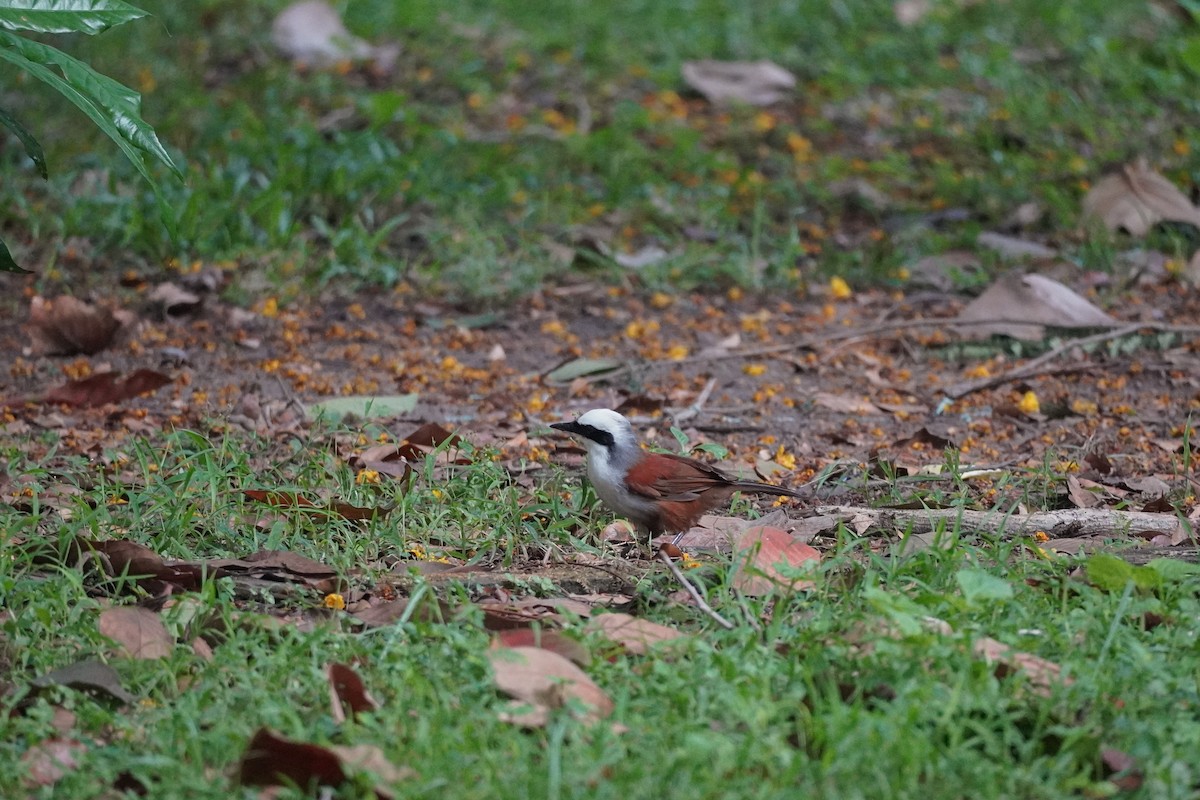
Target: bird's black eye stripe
point(596, 435)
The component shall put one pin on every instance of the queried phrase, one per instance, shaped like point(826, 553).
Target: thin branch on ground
point(697, 405)
point(1038, 365)
point(691, 590)
point(868, 331)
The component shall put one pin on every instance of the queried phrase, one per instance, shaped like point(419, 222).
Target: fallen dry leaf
point(87, 675)
point(768, 559)
point(634, 634)
point(47, 762)
point(107, 387)
point(347, 691)
point(1026, 304)
point(1136, 199)
point(1043, 675)
point(553, 641)
point(171, 300)
point(756, 83)
point(65, 326)
point(139, 631)
point(271, 760)
point(545, 681)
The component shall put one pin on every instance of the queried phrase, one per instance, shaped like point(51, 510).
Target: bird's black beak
point(569, 427)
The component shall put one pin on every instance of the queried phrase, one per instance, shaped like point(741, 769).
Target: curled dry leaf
point(1136, 199)
point(139, 631)
point(634, 634)
point(66, 326)
point(107, 387)
point(768, 559)
point(544, 681)
point(1026, 304)
point(756, 83)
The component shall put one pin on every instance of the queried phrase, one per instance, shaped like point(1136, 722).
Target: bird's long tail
point(766, 488)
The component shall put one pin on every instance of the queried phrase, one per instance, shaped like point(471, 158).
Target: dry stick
point(695, 408)
point(1055, 524)
point(875, 330)
point(704, 606)
point(1033, 367)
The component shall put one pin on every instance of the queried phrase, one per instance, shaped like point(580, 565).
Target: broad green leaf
point(32, 148)
point(1173, 570)
point(6, 261)
point(363, 406)
point(114, 108)
point(1106, 571)
point(978, 586)
point(903, 612)
point(66, 16)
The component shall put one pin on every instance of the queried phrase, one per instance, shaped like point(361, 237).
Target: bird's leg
point(678, 536)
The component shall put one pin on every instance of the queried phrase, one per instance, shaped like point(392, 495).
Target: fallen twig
point(1037, 365)
point(691, 590)
point(866, 332)
point(1055, 524)
point(697, 405)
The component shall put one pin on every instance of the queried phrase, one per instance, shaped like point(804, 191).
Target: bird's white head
point(607, 435)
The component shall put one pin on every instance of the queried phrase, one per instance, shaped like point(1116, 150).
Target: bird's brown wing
point(662, 476)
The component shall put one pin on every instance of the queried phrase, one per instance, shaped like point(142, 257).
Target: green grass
point(424, 181)
point(808, 695)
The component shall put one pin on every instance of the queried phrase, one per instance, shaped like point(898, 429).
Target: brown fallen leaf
point(139, 631)
point(1136, 199)
point(1121, 769)
point(844, 404)
point(768, 559)
point(107, 387)
point(634, 634)
point(544, 681)
point(47, 762)
point(756, 83)
point(347, 691)
point(66, 326)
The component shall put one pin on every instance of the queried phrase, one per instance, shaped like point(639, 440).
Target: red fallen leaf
point(271, 760)
point(767, 560)
point(107, 387)
point(346, 690)
point(138, 630)
point(65, 326)
point(545, 681)
point(553, 641)
point(636, 635)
